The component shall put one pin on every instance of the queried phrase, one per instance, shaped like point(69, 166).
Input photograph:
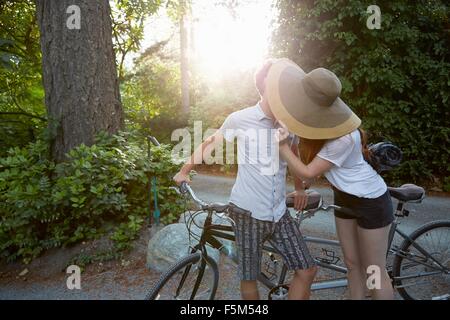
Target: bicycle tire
point(180, 265)
point(397, 263)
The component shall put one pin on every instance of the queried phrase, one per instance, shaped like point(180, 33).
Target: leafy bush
point(446, 186)
point(101, 188)
point(397, 78)
point(151, 95)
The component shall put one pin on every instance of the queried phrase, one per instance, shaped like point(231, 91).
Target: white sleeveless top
point(350, 172)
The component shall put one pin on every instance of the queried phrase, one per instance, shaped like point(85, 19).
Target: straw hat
point(309, 103)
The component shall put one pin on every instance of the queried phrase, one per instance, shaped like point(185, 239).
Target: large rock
point(199, 220)
point(170, 244)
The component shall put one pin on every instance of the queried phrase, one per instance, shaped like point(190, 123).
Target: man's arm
point(203, 150)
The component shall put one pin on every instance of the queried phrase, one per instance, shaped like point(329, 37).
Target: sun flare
point(223, 42)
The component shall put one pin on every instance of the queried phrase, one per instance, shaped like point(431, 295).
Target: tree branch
point(24, 114)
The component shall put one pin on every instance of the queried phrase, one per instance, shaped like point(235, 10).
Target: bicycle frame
point(213, 231)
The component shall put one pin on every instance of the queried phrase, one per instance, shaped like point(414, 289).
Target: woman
point(332, 144)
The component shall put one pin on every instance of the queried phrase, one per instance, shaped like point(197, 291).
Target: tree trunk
point(79, 73)
point(184, 57)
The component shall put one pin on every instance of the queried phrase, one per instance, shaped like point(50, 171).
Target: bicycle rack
point(331, 257)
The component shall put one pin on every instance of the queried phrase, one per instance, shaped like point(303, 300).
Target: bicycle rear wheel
point(427, 280)
point(194, 277)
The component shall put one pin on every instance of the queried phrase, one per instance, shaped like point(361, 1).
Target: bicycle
point(196, 275)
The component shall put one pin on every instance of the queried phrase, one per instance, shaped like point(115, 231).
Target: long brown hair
point(309, 148)
point(365, 150)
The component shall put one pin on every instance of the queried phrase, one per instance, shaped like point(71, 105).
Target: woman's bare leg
point(348, 237)
point(373, 245)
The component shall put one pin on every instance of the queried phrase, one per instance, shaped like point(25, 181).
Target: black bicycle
point(420, 268)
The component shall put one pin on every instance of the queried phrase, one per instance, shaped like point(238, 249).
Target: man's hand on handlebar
point(300, 199)
point(181, 177)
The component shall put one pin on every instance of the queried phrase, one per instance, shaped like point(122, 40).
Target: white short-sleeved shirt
point(350, 172)
point(260, 185)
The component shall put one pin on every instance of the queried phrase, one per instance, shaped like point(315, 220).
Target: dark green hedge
point(397, 78)
point(100, 189)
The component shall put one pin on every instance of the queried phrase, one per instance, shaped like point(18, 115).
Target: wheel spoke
point(179, 282)
point(427, 280)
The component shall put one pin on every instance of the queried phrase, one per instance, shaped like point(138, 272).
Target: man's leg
point(249, 234)
point(300, 288)
point(288, 240)
point(249, 290)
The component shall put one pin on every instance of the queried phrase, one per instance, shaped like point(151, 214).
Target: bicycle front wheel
point(418, 276)
point(194, 277)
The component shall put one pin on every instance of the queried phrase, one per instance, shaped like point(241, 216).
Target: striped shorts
point(284, 236)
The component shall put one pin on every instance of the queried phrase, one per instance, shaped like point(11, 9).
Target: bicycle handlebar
point(186, 188)
point(314, 202)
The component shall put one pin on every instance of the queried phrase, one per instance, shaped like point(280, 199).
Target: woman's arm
point(310, 171)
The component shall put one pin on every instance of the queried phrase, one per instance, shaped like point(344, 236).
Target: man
point(260, 189)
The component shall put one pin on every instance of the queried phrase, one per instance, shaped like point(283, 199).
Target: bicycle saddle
point(407, 192)
point(313, 200)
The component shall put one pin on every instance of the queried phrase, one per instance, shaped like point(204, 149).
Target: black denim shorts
point(373, 213)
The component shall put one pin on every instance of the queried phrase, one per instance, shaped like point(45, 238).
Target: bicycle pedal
point(279, 292)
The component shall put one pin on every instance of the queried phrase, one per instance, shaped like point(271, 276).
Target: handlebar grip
point(314, 200)
point(184, 187)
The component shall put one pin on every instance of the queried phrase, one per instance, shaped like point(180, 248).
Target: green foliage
point(127, 231)
point(446, 186)
point(177, 8)
point(397, 79)
point(21, 93)
point(128, 17)
point(22, 109)
point(43, 205)
point(151, 95)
